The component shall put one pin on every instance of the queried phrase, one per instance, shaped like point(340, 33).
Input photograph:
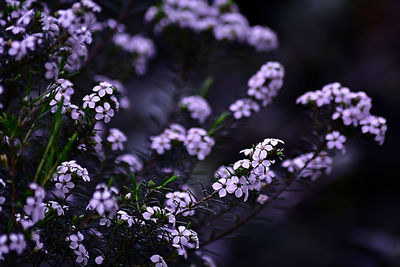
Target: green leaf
point(167, 181)
point(218, 123)
point(206, 86)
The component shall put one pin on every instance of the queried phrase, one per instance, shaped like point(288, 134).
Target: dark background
point(350, 218)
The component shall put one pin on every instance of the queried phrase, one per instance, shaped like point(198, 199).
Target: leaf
point(218, 123)
point(206, 86)
point(167, 181)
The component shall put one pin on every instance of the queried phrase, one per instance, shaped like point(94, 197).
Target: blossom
point(35, 207)
point(99, 260)
point(335, 140)
point(158, 261)
point(261, 199)
point(3, 245)
point(238, 186)
point(134, 163)
point(90, 100)
point(104, 112)
point(160, 143)
point(221, 187)
point(51, 70)
point(244, 163)
point(243, 107)
point(103, 88)
point(198, 143)
point(57, 207)
point(178, 201)
point(116, 138)
point(17, 242)
point(181, 236)
point(262, 38)
point(197, 106)
point(224, 172)
point(103, 200)
point(82, 254)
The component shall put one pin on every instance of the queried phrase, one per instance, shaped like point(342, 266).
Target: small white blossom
point(116, 138)
point(335, 140)
point(158, 261)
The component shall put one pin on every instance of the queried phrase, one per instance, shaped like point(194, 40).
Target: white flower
point(103, 88)
point(57, 207)
point(35, 208)
point(238, 186)
point(158, 261)
point(103, 201)
point(83, 255)
point(198, 143)
point(90, 100)
point(151, 212)
point(220, 186)
point(181, 236)
point(335, 140)
point(3, 245)
point(99, 260)
point(51, 70)
point(224, 172)
point(243, 107)
point(197, 106)
point(104, 112)
point(244, 163)
point(134, 163)
point(64, 183)
point(17, 243)
point(116, 138)
point(160, 143)
point(178, 201)
point(261, 199)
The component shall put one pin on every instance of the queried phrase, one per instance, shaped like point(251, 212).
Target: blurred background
point(351, 217)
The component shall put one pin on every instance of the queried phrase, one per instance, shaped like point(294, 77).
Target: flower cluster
point(116, 138)
point(179, 201)
point(252, 173)
point(69, 173)
point(16, 243)
point(82, 255)
point(263, 86)
point(352, 107)
point(71, 28)
point(34, 207)
point(197, 106)
point(196, 140)
point(103, 201)
point(103, 101)
point(309, 165)
point(62, 91)
point(183, 239)
point(221, 18)
point(133, 162)
point(198, 143)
